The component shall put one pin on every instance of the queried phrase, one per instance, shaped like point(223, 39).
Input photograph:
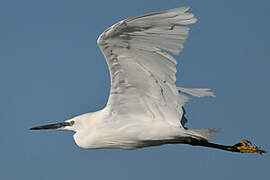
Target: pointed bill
point(53, 126)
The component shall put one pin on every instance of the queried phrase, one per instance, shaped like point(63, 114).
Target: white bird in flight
point(145, 107)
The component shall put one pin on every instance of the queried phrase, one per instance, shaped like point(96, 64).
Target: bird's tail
point(206, 134)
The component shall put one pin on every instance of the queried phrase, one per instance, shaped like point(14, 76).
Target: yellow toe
point(245, 146)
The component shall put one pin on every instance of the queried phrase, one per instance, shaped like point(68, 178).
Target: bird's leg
point(243, 146)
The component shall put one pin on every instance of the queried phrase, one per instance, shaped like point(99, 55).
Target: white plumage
point(142, 71)
point(145, 105)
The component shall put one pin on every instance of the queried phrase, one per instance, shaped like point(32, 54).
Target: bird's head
point(83, 126)
point(74, 124)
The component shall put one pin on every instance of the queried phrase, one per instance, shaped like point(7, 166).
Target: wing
point(137, 51)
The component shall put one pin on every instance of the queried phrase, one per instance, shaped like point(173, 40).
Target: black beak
point(52, 126)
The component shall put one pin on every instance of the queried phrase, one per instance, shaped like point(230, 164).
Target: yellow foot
point(245, 146)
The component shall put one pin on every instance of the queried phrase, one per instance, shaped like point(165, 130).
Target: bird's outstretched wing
point(142, 71)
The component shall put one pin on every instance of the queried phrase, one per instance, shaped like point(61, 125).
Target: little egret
point(145, 107)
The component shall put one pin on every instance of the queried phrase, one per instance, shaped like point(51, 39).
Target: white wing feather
point(141, 69)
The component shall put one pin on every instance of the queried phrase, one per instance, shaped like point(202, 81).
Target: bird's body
point(123, 133)
point(104, 130)
point(145, 107)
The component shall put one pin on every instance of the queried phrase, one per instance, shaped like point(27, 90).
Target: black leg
point(243, 146)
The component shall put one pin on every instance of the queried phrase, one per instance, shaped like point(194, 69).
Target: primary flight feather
point(145, 107)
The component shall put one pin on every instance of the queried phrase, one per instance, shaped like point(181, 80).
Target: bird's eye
point(72, 122)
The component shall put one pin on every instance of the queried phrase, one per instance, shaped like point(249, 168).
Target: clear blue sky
point(51, 69)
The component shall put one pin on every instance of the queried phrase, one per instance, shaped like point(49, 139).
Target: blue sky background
point(51, 70)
